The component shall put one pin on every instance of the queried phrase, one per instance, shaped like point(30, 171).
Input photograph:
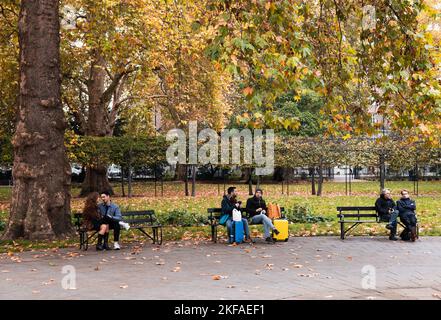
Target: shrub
point(303, 213)
point(182, 218)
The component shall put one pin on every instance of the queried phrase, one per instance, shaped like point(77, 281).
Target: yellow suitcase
point(282, 226)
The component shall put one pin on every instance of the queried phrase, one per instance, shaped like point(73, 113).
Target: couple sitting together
point(103, 217)
point(256, 208)
point(389, 211)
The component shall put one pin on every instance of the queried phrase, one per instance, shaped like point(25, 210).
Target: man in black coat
point(406, 208)
point(257, 209)
point(386, 209)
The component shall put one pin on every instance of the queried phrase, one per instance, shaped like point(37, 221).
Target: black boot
point(413, 234)
point(106, 242)
point(99, 245)
point(393, 233)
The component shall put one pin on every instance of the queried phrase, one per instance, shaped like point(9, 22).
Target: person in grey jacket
point(111, 216)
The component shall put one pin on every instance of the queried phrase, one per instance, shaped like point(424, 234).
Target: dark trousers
point(409, 219)
point(113, 225)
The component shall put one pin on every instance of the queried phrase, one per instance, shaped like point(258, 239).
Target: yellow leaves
point(268, 5)
point(424, 129)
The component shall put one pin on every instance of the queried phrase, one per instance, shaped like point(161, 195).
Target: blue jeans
point(393, 218)
point(267, 223)
point(246, 229)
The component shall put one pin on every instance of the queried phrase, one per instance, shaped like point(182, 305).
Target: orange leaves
point(248, 91)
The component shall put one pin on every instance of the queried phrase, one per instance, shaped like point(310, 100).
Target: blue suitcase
point(238, 231)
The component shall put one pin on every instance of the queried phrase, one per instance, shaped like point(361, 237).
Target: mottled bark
point(96, 177)
point(40, 207)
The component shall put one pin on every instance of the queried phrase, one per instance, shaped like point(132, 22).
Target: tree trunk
point(320, 180)
point(250, 181)
point(186, 180)
point(96, 178)
point(129, 181)
point(313, 181)
point(193, 181)
point(40, 207)
point(96, 181)
point(382, 172)
point(122, 182)
point(180, 172)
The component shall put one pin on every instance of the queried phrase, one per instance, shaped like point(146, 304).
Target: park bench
point(214, 215)
point(357, 216)
point(139, 220)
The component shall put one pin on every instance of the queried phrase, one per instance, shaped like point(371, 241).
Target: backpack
point(223, 219)
point(405, 235)
point(274, 211)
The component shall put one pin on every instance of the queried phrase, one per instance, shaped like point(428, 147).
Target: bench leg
point(342, 230)
point(81, 239)
point(155, 236)
point(213, 231)
point(159, 235)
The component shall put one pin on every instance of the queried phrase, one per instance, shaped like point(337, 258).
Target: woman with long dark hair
point(94, 221)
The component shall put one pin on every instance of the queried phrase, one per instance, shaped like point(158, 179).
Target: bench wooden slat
point(138, 213)
point(354, 215)
point(138, 221)
point(356, 209)
point(361, 221)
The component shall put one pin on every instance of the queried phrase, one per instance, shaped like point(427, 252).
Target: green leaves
point(103, 151)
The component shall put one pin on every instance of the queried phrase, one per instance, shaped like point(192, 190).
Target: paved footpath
point(303, 268)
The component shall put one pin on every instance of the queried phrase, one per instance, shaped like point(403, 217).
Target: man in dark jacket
point(229, 203)
point(406, 208)
point(256, 207)
point(386, 209)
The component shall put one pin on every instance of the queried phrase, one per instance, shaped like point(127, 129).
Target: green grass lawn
point(363, 194)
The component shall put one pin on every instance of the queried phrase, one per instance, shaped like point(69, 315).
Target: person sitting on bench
point(92, 220)
point(407, 208)
point(257, 209)
point(111, 218)
point(229, 203)
point(387, 211)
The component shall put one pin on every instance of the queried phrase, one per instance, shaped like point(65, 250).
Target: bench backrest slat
point(138, 213)
point(356, 209)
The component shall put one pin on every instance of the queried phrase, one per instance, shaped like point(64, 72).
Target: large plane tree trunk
point(96, 177)
point(40, 207)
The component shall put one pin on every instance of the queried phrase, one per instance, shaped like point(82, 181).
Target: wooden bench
point(214, 215)
point(355, 218)
point(139, 220)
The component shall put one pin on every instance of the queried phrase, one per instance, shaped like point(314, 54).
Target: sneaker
point(393, 238)
point(116, 246)
point(125, 225)
point(99, 247)
point(270, 240)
